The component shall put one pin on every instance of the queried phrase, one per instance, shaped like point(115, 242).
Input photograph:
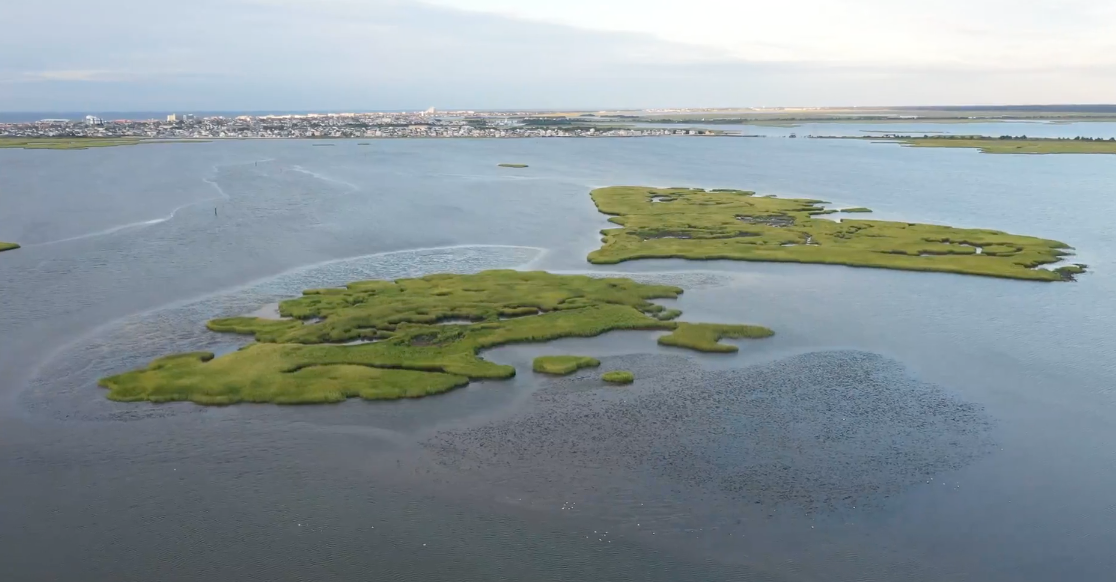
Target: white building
point(93, 120)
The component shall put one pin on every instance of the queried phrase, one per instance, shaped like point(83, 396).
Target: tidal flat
point(692, 223)
point(815, 432)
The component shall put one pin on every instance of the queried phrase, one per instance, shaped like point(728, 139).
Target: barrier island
point(8, 246)
point(692, 223)
point(408, 338)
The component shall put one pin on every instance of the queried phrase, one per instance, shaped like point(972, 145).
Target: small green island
point(8, 246)
point(618, 377)
point(856, 209)
point(65, 143)
point(409, 338)
point(81, 143)
point(513, 165)
point(1011, 145)
point(692, 223)
point(563, 365)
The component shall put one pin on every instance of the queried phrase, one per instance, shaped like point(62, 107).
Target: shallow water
point(970, 418)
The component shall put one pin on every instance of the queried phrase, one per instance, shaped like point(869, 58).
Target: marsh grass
point(706, 337)
point(737, 225)
point(513, 165)
point(991, 145)
point(1070, 272)
point(8, 246)
point(79, 143)
point(303, 359)
point(668, 315)
point(64, 143)
point(618, 377)
point(563, 365)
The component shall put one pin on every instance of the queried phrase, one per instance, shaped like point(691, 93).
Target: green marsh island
point(563, 365)
point(8, 246)
point(692, 223)
point(65, 143)
point(409, 338)
point(80, 143)
point(618, 377)
point(994, 145)
point(513, 165)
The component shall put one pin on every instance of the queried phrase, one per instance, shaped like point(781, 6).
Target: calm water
point(983, 448)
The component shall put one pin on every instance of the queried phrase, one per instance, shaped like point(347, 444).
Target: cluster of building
point(428, 124)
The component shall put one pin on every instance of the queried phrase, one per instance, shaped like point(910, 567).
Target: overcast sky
point(77, 55)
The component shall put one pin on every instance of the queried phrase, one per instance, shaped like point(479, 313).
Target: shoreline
point(74, 143)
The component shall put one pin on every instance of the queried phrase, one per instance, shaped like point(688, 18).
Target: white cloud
point(972, 33)
point(388, 54)
point(74, 75)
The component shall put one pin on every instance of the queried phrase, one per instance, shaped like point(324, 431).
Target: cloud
point(1002, 33)
point(403, 54)
point(82, 75)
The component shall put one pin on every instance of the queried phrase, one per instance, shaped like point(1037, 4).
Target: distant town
point(426, 124)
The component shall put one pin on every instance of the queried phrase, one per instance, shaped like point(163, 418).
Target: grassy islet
point(398, 339)
point(706, 337)
point(563, 365)
point(691, 223)
point(618, 377)
point(80, 143)
point(1013, 145)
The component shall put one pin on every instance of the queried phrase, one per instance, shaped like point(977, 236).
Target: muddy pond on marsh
point(900, 425)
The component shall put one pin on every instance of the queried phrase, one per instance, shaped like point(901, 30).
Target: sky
point(328, 55)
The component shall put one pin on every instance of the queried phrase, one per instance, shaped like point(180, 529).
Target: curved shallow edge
point(63, 383)
point(308, 359)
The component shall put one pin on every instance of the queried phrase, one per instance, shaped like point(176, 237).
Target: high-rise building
point(174, 118)
point(93, 120)
point(431, 111)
